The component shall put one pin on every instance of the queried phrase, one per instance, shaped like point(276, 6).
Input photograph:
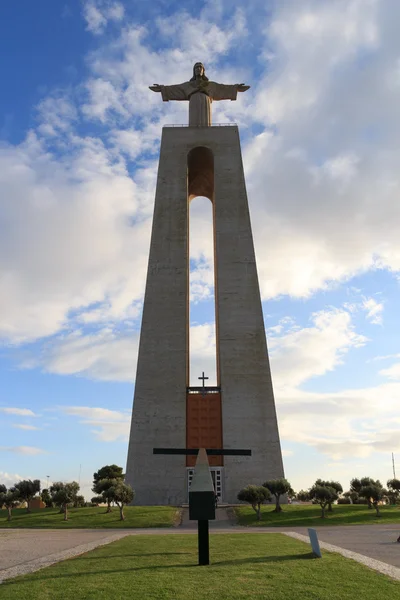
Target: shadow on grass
point(252, 560)
point(311, 516)
point(90, 518)
point(141, 555)
point(265, 559)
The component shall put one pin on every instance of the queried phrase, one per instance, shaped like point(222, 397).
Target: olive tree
point(79, 501)
point(365, 483)
point(104, 490)
point(356, 485)
point(10, 499)
point(121, 494)
point(254, 495)
point(332, 484)
point(374, 494)
point(56, 487)
point(352, 495)
point(102, 481)
point(278, 487)
point(323, 495)
point(46, 498)
point(393, 490)
point(27, 490)
point(96, 500)
point(303, 496)
point(63, 494)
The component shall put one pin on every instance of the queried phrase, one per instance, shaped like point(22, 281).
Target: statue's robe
point(200, 95)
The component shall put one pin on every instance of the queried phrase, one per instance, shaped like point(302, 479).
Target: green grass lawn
point(91, 517)
point(165, 567)
point(308, 515)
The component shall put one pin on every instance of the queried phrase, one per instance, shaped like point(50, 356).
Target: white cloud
point(88, 230)
point(93, 413)
point(95, 20)
point(97, 13)
point(286, 453)
point(111, 432)
point(201, 37)
point(56, 114)
point(313, 183)
point(301, 354)
point(351, 422)
point(107, 355)
point(9, 479)
point(109, 425)
point(123, 69)
point(275, 330)
point(201, 282)
point(111, 354)
point(392, 372)
point(374, 310)
point(386, 357)
point(26, 427)
point(202, 353)
point(115, 11)
point(90, 221)
point(20, 412)
point(26, 450)
point(103, 98)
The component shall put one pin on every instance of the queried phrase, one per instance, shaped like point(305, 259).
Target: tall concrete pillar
point(159, 409)
point(248, 407)
point(201, 161)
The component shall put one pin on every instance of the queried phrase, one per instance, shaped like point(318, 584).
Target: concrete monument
point(239, 412)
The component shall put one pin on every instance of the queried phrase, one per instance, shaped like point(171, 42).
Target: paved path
point(27, 550)
point(372, 563)
point(375, 541)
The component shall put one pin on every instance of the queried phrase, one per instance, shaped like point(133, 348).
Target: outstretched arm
point(170, 92)
point(220, 91)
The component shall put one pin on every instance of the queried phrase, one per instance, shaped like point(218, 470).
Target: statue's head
point(199, 72)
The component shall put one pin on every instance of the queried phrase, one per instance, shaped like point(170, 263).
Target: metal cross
point(203, 377)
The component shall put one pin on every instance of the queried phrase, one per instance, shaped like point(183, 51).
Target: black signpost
point(201, 493)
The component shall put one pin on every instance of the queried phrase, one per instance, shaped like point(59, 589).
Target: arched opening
point(201, 173)
point(202, 339)
point(203, 407)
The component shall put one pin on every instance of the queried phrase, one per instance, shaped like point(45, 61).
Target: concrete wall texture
point(248, 407)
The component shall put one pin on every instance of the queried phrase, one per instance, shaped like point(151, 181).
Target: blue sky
point(79, 140)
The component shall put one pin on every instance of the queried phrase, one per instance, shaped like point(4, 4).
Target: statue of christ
point(200, 92)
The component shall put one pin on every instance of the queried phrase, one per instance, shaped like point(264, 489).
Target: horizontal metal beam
point(195, 451)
